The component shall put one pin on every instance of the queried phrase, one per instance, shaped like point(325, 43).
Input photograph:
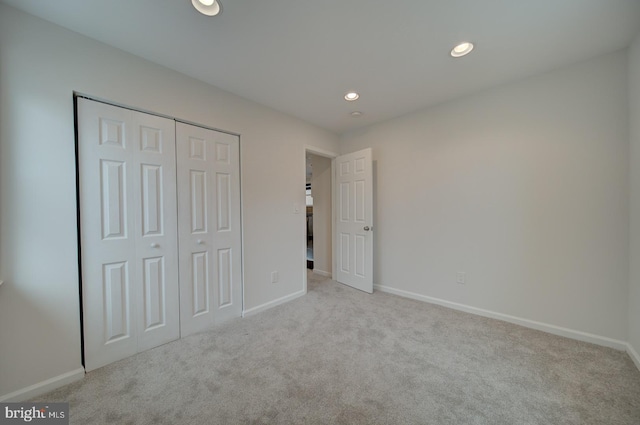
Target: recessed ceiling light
point(462, 49)
point(356, 114)
point(207, 7)
point(351, 96)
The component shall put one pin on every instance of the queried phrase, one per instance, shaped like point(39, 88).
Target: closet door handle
point(155, 245)
point(200, 242)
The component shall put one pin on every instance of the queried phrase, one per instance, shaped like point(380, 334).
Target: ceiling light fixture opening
point(207, 7)
point(462, 49)
point(351, 96)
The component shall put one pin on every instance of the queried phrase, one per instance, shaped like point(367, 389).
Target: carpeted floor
point(339, 356)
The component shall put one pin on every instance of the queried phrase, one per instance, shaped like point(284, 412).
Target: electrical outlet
point(274, 277)
point(461, 278)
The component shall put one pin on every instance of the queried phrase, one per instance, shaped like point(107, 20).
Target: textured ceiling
point(301, 56)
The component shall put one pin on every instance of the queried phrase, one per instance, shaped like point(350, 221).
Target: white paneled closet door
point(127, 191)
point(209, 227)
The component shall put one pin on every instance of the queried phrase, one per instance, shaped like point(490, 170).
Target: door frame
point(309, 149)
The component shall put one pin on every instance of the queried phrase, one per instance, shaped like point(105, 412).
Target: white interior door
point(209, 227)
point(156, 230)
point(353, 188)
point(127, 191)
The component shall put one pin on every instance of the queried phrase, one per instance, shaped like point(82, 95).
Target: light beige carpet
point(339, 356)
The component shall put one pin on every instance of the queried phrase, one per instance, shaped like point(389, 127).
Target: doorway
point(318, 246)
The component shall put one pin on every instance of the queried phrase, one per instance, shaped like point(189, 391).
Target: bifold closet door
point(209, 227)
point(128, 228)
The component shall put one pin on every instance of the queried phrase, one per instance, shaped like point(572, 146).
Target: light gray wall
point(321, 192)
point(40, 66)
point(634, 115)
point(524, 187)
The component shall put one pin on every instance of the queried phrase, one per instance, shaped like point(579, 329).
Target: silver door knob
point(200, 242)
point(366, 228)
point(154, 245)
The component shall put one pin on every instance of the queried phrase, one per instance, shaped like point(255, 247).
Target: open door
point(353, 188)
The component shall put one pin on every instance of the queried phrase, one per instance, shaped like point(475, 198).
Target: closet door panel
point(156, 224)
point(209, 227)
point(128, 230)
point(227, 234)
point(107, 205)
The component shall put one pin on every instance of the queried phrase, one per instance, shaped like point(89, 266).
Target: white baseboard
point(545, 327)
point(43, 387)
point(271, 304)
point(634, 355)
point(322, 273)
